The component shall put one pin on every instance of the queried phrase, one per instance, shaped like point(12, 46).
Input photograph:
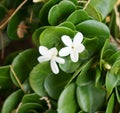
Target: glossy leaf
point(91, 47)
point(90, 98)
point(5, 79)
point(78, 16)
point(111, 103)
point(12, 101)
point(117, 91)
point(114, 57)
point(23, 64)
point(111, 82)
point(93, 13)
point(25, 108)
point(93, 28)
point(54, 84)
point(36, 35)
point(107, 6)
point(85, 75)
point(107, 51)
point(69, 66)
point(30, 98)
point(51, 37)
point(43, 14)
point(67, 101)
point(68, 24)
point(60, 12)
point(37, 78)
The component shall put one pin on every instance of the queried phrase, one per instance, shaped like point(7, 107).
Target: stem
point(18, 8)
point(17, 79)
point(74, 75)
point(86, 4)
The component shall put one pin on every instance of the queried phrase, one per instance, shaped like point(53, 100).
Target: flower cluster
point(72, 48)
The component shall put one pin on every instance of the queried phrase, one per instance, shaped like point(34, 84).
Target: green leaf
point(30, 98)
point(5, 79)
point(111, 103)
point(54, 84)
point(67, 100)
point(111, 82)
point(51, 37)
point(93, 13)
point(93, 28)
point(36, 35)
point(78, 16)
point(91, 47)
point(107, 51)
point(114, 57)
point(12, 101)
point(68, 24)
point(107, 6)
point(117, 91)
point(85, 75)
point(60, 12)
point(37, 78)
point(14, 23)
point(23, 64)
point(69, 66)
point(43, 14)
point(90, 98)
point(25, 108)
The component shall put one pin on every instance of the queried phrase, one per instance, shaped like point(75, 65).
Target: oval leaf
point(78, 16)
point(93, 28)
point(37, 78)
point(60, 12)
point(23, 64)
point(67, 101)
point(5, 79)
point(12, 101)
point(51, 37)
point(90, 98)
point(54, 84)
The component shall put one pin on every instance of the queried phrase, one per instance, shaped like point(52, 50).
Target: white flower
point(50, 55)
point(73, 48)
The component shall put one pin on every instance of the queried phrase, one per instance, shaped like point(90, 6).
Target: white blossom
point(73, 47)
point(50, 55)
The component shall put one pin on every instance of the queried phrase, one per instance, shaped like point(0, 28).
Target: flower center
point(72, 47)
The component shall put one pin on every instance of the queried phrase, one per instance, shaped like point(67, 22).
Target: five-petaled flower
point(50, 55)
point(73, 47)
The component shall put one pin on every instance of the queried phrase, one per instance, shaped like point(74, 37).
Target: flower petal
point(43, 59)
point(74, 56)
point(60, 60)
point(54, 67)
point(80, 48)
point(43, 50)
point(66, 40)
point(65, 51)
point(53, 52)
point(78, 38)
